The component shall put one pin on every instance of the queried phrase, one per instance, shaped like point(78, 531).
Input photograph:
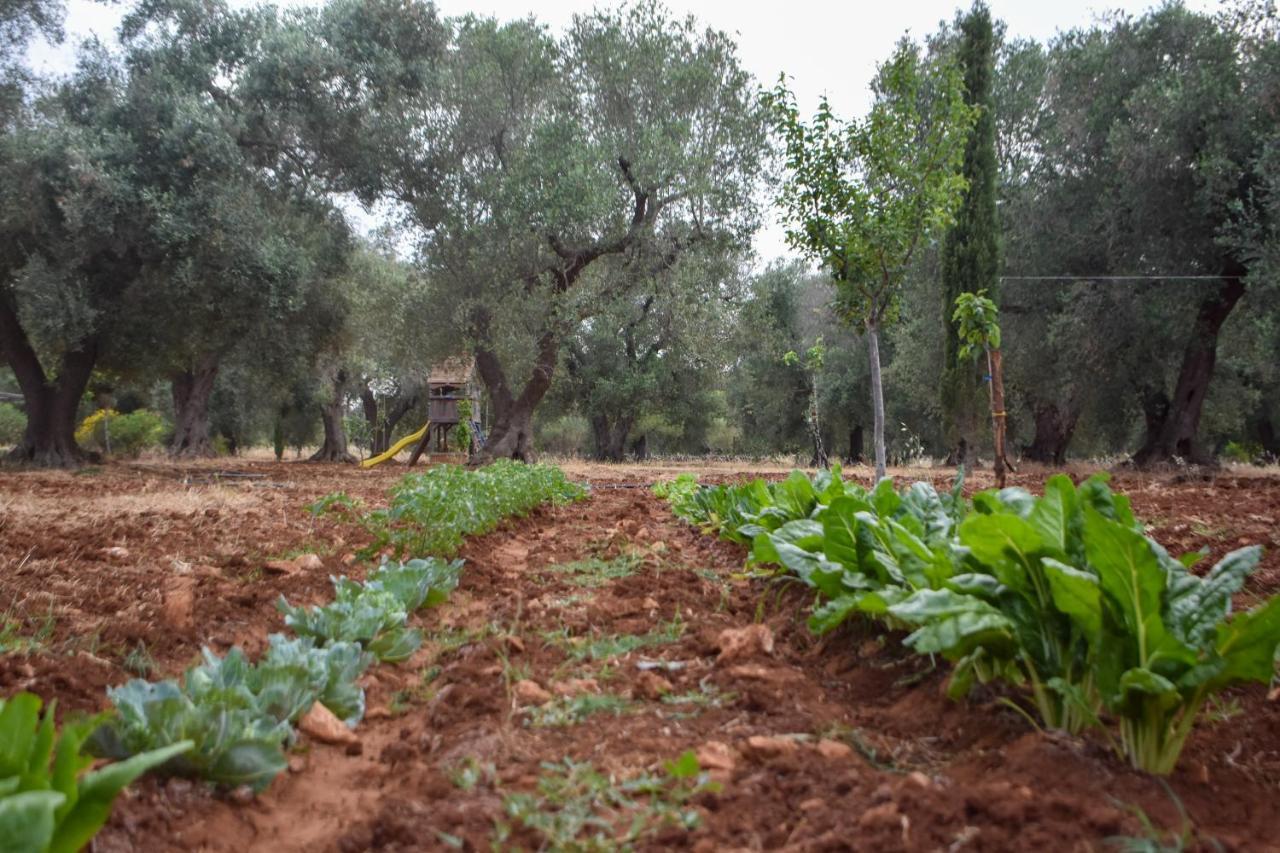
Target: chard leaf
point(951, 623)
point(982, 586)
point(1051, 516)
point(832, 614)
point(1196, 607)
point(1004, 543)
point(1139, 683)
point(1131, 576)
point(1248, 644)
point(26, 820)
point(885, 498)
point(97, 791)
point(1077, 594)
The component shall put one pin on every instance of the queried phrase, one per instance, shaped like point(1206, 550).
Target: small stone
point(813, 805)
point(740, 643)
point(531, 693)
point(116, 553)
point(716, 755)
point(885, 814)
point(321, 724)
point(242, 795)
point(515, 644)
point(834, 750)
point(649, 603)
point(920, 780)
point(379, 712)
point(297, 764)
point(575, 686)
point(309, 563)
point(280, 567)
point(769, 746)
point(652, 686)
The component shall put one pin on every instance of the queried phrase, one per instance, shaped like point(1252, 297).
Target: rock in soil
point(650, 685)
point(742, 643)
point(179, 601)
point(531, 693)
point(321, 724)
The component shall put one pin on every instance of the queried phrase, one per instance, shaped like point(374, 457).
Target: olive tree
point(538, 156)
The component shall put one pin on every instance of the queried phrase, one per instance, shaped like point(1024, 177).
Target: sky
point(823, 47)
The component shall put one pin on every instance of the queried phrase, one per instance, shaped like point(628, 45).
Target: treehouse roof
point(456, 371)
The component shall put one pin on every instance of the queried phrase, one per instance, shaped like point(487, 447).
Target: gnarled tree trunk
point(610, 437)
point(192, 389)
point(334, 448)
point(1055, 425)
point(49, 440)
point(1172, 428)
point(511, 436)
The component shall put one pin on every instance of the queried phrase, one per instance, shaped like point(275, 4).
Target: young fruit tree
point(978, 330)
point(812, 362)
point(861, 196)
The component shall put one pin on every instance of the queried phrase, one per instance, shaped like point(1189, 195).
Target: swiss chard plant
point(48, 802)
point(1063, 595)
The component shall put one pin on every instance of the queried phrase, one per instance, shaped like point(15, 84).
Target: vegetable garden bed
point(618, 611)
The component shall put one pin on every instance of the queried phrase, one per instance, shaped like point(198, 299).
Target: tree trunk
point(999, 417)
point(640, 448)
point(381, 429)
point(1055, 425)
point(334, 448)
point(49, 439)
point(192, 389)
point(1173, 432)
point(610, 438)
point(877, 398)
point(855, 445)
point(511, 436)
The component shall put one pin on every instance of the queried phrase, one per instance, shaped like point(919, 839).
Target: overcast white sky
point(830, 47)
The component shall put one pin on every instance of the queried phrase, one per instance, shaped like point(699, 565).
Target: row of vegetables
point(230, 721)
point(1062, 596)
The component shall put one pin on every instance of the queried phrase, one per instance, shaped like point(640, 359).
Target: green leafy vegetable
point(47, 801)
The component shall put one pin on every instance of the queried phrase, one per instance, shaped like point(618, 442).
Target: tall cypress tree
point(971, 251)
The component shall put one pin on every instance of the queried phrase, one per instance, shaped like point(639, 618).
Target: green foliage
point(238, 715)
point(432, 512)
point(572, 710)
point(375, 614)
point(1062, 594)
point(576, 807)
point(107, 430)
point(861, 195)
point(462, 432)
point(977, 324)
point(48, 803)
point(13, 423)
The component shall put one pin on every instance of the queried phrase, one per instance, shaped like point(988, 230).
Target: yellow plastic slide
point(396, 448)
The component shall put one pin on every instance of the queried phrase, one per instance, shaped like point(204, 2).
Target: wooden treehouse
point(449, 383)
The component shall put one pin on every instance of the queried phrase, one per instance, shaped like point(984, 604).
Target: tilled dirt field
point(611, 606)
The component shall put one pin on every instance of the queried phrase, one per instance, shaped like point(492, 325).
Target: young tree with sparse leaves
point(861, 196)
